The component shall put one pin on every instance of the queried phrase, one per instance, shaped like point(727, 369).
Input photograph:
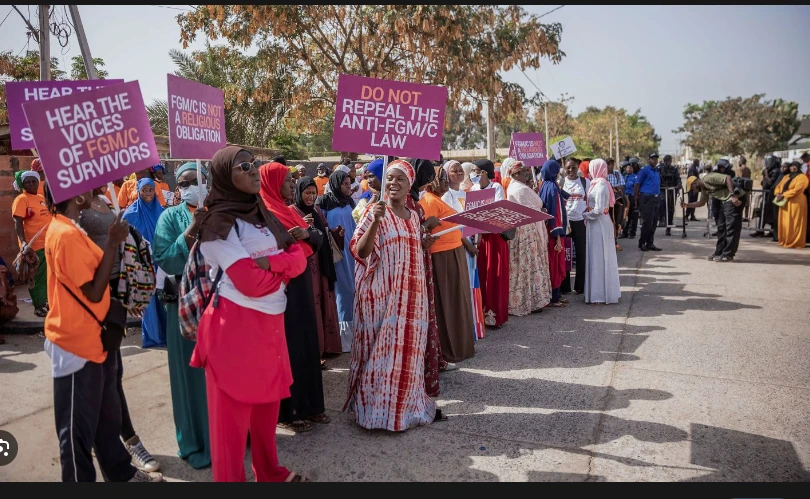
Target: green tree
point(593, 128)
point(751, 126)
point(79, 72)
point(462, 47)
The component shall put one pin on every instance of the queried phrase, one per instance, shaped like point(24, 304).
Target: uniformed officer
point(647, 191)
point(670, 177)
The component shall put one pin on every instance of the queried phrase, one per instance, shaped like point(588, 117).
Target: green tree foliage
point(78, 71)
point(738, 125)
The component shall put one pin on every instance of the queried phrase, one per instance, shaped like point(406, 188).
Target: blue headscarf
point(553, 198)
point(142, 215)
point(376, 168)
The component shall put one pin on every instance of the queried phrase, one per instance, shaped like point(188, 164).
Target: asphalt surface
point(700, 373)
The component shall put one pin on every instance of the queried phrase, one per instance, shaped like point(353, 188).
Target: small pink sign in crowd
point(196, 119)
point(498, 217)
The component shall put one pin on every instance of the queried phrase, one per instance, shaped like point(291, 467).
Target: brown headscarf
point(225, 203)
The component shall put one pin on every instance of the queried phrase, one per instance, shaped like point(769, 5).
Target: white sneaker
point(451, 367)
point(140, 476)
point(141, 458)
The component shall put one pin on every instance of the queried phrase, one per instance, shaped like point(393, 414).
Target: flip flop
point(320, 419)
point(295, 477)
point(297, 426)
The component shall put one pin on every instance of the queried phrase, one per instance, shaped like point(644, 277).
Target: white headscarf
point(466, 183)
point(505, 167)
point(342, 168)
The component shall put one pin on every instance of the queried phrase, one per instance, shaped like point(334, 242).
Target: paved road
point(701, 373)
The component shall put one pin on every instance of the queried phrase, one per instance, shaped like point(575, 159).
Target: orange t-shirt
point(128, 194)
point(72, 260)
point(159, 188)
point(32, 209)
point(435, 207)
point(321, 182)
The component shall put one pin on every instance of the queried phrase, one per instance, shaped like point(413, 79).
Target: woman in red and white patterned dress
point(386, 382)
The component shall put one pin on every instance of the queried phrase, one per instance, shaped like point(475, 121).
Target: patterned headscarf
point(404, 167)
point(515, 167)
point(449, 164)
point(506, 168)
point(36, 165)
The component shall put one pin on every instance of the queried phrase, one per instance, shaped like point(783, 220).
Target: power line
point(9, 13)
point(549, 12)
point(170, 7)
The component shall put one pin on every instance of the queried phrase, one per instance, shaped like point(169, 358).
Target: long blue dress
point(144, 217)
point(344, 269)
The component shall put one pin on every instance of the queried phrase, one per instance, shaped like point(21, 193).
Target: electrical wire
point(549, 12)
point(169, 7)
point(4, 19)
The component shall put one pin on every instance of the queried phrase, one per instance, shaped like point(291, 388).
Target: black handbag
point(509, 234)
point(169, 293)
point(114, 326)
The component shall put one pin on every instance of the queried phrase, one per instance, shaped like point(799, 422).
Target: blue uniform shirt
point(630, 182)
point(649, 180)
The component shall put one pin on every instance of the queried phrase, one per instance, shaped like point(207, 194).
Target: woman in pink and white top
point(240, 340)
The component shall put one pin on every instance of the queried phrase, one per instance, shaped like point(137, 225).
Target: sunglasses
point(245, 166)
point(185, 184)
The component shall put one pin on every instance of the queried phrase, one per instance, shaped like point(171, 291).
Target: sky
point(653, 58)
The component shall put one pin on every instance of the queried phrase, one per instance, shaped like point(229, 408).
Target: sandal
point(41, 311)
point(295, 477)
point(564, 300)
point(323, 364)
point(439, 416)
point(556, 305)
point(297, 426)
point(320, 419)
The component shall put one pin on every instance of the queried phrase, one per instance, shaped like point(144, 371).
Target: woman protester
point(793, 214)
point(529, 279)
point(602, 269)
point(87, 405)
point(174, 237)
point(96, 222)
point(306, 403)
point(466, 184)
point(321, 268)
point(451, 278)
point(128, 193)
point(337, 206)
point(505, 170)
point(31, 219)
point(493, 255)
point(386, 381)
point(553, 200)
point(162, 190)
point(455, 197)
point(143, 215)
point(241, 342)
point(577, 189)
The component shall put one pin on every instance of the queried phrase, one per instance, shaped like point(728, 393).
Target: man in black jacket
point(769, 212)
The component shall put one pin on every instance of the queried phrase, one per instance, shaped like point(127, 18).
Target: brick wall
point(8, 237)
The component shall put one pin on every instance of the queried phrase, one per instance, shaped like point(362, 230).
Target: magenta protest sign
point(476, 199)
point(19, 92)
point(196, 119)
point(498, 217)
point(90, 138)
point(530, 148)
point(391, 118)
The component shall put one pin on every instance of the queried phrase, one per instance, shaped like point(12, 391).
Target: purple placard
point(19, 92)
point(391, 118)
point(529, 148)
point(476, 199)
point(196, 119)
point(90, 138)
point(498, 217)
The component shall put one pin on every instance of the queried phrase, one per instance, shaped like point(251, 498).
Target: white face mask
point(475, 179)
point(191, 195)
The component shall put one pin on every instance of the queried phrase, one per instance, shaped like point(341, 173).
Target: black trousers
point(666, 209)
point(578, 235)
point(729, 226)
point(127, 430)
point(692, 198)
point(87, 410)
point(631, 226)
point(648, 209)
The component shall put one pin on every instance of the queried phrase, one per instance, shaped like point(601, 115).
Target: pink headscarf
point(599, 171)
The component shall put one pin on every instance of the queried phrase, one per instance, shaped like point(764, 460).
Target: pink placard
point(476, 199)
point(530, 148)
point(391, 118)
point(19, 92)
point(498, 217)
point(90, 138)
point(196, 119)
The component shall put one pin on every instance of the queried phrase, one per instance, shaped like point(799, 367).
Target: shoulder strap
point(584, 184)
point(85, 307)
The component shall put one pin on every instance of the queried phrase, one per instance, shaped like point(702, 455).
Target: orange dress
point(793, 216)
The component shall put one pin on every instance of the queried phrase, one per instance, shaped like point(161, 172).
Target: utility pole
point(44, 43)
point(92, 75)
point(616, 121)
point(85, 48)
point(610, 141)
point(490, 131)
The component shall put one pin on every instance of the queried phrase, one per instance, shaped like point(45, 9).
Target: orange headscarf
point(273, 175)
point(583, 167)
